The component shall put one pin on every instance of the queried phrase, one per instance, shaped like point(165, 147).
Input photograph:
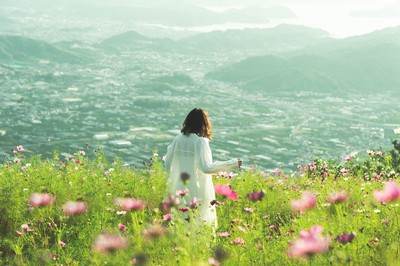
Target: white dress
point(192, 155)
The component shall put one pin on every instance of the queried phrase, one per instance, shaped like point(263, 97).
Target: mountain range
point(368, 63)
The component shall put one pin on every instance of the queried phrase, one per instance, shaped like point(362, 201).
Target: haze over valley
point(122, 77)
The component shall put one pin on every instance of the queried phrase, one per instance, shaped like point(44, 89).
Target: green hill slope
point(23, 49)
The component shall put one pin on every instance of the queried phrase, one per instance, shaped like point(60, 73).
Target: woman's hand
point(240, 162)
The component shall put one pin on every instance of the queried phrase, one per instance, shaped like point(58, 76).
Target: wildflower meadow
point(90, 211)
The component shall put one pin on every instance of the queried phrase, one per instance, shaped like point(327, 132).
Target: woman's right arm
point(168, 156)
point(205, 159)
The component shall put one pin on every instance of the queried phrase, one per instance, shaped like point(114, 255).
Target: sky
point(341, 18)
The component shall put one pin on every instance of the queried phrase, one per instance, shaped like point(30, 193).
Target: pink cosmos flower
point(193, 204)
point(20, 148)
point(122, 227)
point(224, 234)
point(154, 231)
point(74, 207)
point(171, 202)
point(181, 193)
point(105, 243)
point(44, 199)
point(309, 243)
point(128, 204)
point(61, 243)
point(26, 228)
point(249, 210)
point(390, 192)
point(308, 200)
point(256, 196)
point(238, 241)
point(168, 217)
point(226, 191)
point(16, 160)
point(337, 197)
point(213, 262)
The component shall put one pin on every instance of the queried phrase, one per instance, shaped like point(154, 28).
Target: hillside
point(363, 63)
point(19, 48)
point(278, 39)
point(132, 40)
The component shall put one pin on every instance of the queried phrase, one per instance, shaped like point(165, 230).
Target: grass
point(259, 232)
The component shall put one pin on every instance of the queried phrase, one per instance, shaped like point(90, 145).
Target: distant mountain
point(137, 41)
point(19, 48)
point(371, 65)
point(171, 84)
point(278, 39)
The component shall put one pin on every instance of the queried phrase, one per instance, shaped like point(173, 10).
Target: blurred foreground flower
point(345, 238)
point(308, 200)
point(168, 217)
point(154, 232)
point(74, 207)
point(226, 191)
point(171, 202)
point(128, 204)
point(109, 242)
point(185, 178)
point(122, 227)
point(397, 131)
point(390, 192)
point(38, 199)
point(337, 197)
point(193, 203)
point(256, 196)
point(309, 243)
point(238, 241)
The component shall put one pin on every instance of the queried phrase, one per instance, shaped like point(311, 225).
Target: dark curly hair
point(197, 122)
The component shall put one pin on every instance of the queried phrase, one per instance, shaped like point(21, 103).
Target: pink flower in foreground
point(108, 242)
point(154, 232)
point(249, 210)
point(213, 262)
point(193, 204)
point(337, 197)
point(61, 243)
point(181, 193)
point(74, 207)
point(171, 202)
point(168, 217)
point(44, 199)
point(390, 192)
point(226, 191)
point(309, 243)
point(128, 204)
point(122, 227)
point(308, 200)
point(26, 228)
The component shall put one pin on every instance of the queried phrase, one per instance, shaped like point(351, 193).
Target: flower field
point(88, 211)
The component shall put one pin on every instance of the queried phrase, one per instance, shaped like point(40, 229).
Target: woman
point(190, 165)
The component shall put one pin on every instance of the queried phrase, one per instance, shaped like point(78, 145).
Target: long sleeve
point(205, 162)
point(168, 156)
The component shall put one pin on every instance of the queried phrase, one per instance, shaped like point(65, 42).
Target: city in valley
point(125, 88)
